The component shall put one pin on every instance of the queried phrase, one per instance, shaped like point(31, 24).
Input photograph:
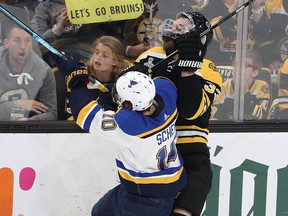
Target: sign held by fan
point(91, 11)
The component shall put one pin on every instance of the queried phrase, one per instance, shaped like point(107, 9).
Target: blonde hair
point(118, 50)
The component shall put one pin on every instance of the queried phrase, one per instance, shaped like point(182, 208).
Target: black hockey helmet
point(200, 22)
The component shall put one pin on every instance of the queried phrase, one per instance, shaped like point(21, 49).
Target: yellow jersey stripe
point(152, 180)
point(83, 113)
point(169, 120)
point(191, 140)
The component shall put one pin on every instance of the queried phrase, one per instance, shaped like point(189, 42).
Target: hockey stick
point(205, 32)
point(32, 33)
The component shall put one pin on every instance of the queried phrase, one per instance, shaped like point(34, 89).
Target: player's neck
point(150, 110)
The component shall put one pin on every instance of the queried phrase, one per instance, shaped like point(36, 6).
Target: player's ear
point(127, 105)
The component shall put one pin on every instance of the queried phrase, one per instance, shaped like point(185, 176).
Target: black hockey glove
point(191, 51)
point(77, 72)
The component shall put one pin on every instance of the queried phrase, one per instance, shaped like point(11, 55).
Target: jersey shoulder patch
point(210, 72)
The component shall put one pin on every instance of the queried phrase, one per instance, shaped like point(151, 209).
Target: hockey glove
point(77, 72)
point(191, 51)
point(66, 66)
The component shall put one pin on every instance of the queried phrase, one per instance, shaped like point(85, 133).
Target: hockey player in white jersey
point(150, 169)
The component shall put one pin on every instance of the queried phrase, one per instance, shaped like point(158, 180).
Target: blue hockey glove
point(77, 72)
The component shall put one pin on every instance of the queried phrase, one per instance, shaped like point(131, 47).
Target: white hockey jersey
point(147, 159)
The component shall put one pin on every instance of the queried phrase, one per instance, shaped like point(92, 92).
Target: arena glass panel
point(267, 36)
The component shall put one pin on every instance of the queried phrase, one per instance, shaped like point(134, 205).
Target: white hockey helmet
point(134, 87)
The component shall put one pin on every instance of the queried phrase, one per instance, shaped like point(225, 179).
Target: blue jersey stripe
point(167, 171)
point(90, 117)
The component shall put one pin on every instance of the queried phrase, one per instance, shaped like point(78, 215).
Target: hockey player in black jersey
point(198, 85)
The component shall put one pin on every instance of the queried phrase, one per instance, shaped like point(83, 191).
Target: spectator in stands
point(217, 8)
point(23, 9)
point(261, 31)
point(277, 12)
point(223, 47)
point(52, 23)
point(269, 20)
point(279, 107)
point(138, 35)
point(29, 5)
point(107, 60)
point(105, 65)
point(257, 93)
point(26, 80)
point(144, 32)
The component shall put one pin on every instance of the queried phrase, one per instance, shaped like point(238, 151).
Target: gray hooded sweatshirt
point(36, 82)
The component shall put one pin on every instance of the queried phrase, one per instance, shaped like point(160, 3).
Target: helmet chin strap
point(203, 39)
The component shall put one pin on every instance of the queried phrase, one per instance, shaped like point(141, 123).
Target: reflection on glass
point(279, 106)
point(267, 33)
point(256, 89)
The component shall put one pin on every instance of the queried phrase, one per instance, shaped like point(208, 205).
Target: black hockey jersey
point(195, 96)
